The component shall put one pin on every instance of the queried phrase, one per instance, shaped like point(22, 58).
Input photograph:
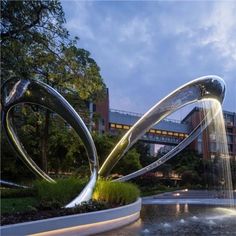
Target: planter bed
point(81, 224)
point(45, 212)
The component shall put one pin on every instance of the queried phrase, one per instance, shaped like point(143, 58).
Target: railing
point(140, 114)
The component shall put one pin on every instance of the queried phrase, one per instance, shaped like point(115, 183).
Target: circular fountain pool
point(181, 219)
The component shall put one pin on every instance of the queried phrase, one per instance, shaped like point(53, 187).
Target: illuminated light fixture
point(126, 127)
point(207, 88)
point(84, 229)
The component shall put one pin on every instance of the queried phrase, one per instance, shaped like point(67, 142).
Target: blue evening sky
point(146, 49)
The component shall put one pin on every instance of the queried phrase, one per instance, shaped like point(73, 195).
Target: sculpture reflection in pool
point(16, 91)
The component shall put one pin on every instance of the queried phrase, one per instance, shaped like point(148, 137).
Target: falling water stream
point(218, 146)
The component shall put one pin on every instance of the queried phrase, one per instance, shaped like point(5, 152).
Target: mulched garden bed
point(44, 212)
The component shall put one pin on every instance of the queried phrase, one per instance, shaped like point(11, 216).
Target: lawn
point(12, 205)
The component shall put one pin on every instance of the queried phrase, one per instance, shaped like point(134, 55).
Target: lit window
point(125, 127)
point(176, 134)
point(170, 133)
point(152, 131)
point(113, 125)
point(158, 131)
point(119, 126)
point(164, 132)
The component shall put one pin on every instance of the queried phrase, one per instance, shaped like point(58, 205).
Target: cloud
point(147, 49)
point(78, 18)
point(137, 31)
point(222, 26)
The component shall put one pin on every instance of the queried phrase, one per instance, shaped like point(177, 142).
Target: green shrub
point(17, 193)
point(115, 192)
point(61, 192)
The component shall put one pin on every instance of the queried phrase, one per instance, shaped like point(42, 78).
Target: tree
point(129, 163)
point(190, 178)
point(104, 145)
point(35, 44)
point(26, 25)
point(145, 157)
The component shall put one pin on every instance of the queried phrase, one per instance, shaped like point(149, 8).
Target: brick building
point(205, 143)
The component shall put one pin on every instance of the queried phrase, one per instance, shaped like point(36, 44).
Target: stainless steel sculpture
point(16, 91)
point(193, 135)
point(203, 88)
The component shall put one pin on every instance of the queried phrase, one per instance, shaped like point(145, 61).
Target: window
point(213, 147)
point(229, 138)
point(113, 125)
point(199, 148)
point(94, 107)
point(119, 126)
point(230, 148)
point(230, 130)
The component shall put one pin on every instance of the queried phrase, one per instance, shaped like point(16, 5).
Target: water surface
point(181, 219)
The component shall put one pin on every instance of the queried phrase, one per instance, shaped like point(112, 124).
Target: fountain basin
point(180, 219)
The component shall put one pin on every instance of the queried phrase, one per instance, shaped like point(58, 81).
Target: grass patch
point(116, 192)
point(61, 192)
point(15, 193)
point(12, 205)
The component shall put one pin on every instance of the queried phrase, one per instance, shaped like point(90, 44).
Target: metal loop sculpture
point(16, 91)
point(203, 88)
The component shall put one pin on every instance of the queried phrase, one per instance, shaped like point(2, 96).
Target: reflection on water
point(186, 208)
point(181, 219)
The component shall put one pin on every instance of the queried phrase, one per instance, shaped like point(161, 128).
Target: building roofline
point(198, 108)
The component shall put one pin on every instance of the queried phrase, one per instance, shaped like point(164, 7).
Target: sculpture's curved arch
point(191, 137)
point(16, 91)
point(203, 88)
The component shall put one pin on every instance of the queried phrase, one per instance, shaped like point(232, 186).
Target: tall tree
point(35, 44)
point(25, 25)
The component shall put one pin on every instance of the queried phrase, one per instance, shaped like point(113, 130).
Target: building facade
point(205, 144)
point(167, 133)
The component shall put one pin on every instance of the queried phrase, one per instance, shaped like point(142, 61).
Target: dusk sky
point(146, 49)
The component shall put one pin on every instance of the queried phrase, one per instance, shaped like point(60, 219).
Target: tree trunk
point(44, 142)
